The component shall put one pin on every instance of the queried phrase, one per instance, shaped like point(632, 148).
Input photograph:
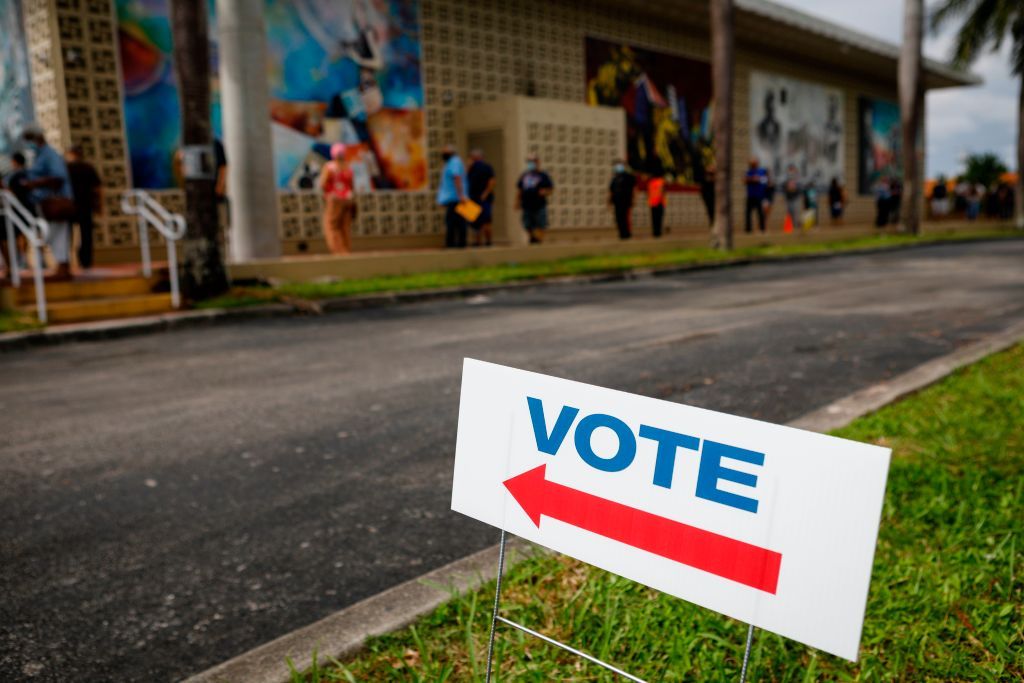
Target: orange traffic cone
point(787, 225)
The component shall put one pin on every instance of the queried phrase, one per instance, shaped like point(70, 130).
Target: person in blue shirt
point(756, 181)
point(48, 179)
point(450, 191)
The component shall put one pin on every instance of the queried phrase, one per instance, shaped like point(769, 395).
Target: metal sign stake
point(495, 618)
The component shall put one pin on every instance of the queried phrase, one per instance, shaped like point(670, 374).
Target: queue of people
point(970, 200)
point(65, 190)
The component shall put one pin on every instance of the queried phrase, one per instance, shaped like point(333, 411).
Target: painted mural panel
point(338, 71)
point(667, 99)
point(15, 85)
point(880, 142)
point(796, 122)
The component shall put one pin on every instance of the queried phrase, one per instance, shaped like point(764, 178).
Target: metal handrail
point(150, 213)
point(37, 231)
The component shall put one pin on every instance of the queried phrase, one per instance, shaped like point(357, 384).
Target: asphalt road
point(172, 500)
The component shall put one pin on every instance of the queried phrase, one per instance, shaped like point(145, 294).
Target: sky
point(960, 121)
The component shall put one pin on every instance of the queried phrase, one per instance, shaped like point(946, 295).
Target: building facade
point(806, 92)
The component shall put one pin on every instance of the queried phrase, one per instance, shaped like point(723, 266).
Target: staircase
point(94, 299)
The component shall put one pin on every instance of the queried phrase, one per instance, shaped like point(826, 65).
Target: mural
point(15, 86)
point(880, 142)
point(796, 122)
point(339, 71)
point(668, 108)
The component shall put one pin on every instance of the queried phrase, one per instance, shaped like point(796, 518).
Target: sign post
point(767, 524)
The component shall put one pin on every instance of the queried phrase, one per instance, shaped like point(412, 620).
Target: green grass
point(16, 321)
point(584, 265)
point(946, 594)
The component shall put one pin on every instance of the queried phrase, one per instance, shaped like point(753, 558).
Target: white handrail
point(150, 213)
point(36, 230)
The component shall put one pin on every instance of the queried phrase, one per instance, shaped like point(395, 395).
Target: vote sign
point(768, 524)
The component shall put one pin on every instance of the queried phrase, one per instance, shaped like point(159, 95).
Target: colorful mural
point(880, 142)
point(796, 122)
point(668, 108)
point(339, 71)
point(15, 86)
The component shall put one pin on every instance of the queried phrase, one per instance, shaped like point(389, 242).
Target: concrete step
point(103, 308)
point(75, 290)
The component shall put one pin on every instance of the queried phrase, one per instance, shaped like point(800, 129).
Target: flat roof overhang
point(782, 31)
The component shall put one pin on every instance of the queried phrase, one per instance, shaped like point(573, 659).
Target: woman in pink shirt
point(339, 202)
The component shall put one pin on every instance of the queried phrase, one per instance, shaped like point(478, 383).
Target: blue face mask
point(34, 146)
point(531, 165)
point(619, 168)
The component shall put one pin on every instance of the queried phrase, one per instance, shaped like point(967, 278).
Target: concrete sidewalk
point(110, 329)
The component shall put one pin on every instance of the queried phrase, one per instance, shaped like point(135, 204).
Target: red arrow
point(720, 555)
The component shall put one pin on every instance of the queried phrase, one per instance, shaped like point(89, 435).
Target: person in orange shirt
point(656, 200)
point(339, 201)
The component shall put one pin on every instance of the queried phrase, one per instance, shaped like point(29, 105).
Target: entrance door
point(491, 143)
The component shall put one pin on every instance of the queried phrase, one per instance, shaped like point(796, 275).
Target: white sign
point(767, 524)
point(796, 122)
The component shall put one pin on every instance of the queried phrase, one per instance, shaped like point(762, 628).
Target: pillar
point(245, 107)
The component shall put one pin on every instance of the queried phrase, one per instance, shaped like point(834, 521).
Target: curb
point(345, 632)
point(124, 327)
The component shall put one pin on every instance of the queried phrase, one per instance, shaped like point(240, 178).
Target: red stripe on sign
point(722, 556)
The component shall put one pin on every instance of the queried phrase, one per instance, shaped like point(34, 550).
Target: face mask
point(34, 146)
point(619, 168)
point(446, 156)
point(531, 165)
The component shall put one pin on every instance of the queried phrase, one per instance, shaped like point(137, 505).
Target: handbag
point(58, 209)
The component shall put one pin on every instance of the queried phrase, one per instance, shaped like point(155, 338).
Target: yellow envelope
point(468, 209)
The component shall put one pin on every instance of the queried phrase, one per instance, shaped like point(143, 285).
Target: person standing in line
point(940, 198)
point(339, 201)
point(15, 182)
point(88, 190)
point(895, 200)
point(51, 191)
point(883, 200)
point(481, 190)
point(836, 201)
point(756, 181)
point(533, 189)
point(450, 192)
point(769, 196)
point(656, 201)
point(707, 192)
point(793, 193)
point(620, 198)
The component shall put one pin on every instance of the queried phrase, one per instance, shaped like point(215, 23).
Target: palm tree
point(911, 105)
point(986, 24)
point(204, 275)
point(722, 56)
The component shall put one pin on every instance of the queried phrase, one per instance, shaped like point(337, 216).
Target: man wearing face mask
point(620, 198)
point(51, 191)
point(534, 188)
point(451, 191)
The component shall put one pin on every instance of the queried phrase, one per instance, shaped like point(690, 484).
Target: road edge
point(345, 632)
point(124, 327)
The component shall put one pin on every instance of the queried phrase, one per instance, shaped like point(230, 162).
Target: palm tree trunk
point(1018, 191)
point(204, 275)
point(722, 56)
point(911, 104)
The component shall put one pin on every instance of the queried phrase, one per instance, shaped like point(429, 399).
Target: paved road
point(169, 501)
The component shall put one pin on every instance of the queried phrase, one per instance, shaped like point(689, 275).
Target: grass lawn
point(16, 321)
point(584, 265)
point(946, 594)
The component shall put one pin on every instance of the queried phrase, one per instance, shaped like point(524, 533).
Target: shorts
point(535, 219)
point(485, 217)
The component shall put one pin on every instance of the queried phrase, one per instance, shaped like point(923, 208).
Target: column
point(245, 104)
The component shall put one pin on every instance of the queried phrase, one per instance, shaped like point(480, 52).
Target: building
point(578, 81)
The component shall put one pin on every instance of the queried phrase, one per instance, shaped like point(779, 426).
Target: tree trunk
point(722, 56)
point(204, 275)
point(911, 104)
point(1018, 191)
